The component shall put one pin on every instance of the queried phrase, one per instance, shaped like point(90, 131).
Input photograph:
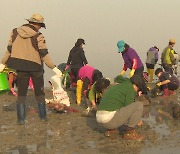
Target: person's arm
point(86, 83)
point(124, 70)
point(43, 52)
point(134, 66)
point(8, 51)
point(171, 55)
point(84, 57)
point(92, 96)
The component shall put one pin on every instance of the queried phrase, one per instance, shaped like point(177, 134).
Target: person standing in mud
point(117, 107)
point(167, 57)
point(76, 58)
point(131, 61)
point(26, 52)
point(151, 60)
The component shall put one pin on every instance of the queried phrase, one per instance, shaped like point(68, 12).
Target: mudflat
point(71, 133)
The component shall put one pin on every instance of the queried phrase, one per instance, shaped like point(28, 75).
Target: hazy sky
point(141, 23)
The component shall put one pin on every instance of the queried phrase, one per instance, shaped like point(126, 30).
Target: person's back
point(26, 52)
point(167, 57)
point(76, 58)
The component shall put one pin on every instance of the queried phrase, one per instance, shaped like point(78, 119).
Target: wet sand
point(70, 133)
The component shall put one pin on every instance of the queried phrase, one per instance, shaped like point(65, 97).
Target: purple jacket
point(86, 71)
point(128, 57)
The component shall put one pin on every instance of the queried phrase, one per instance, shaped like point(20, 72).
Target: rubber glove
point(159, 84)
point(57, 71)
point(122, 72)
point(2, 66)
point(131, 73)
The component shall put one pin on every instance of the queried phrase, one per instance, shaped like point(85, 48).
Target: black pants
point(75, 72)
point(23, 83)
point(139, 71)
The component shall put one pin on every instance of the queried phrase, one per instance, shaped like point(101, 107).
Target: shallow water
point(71, 133)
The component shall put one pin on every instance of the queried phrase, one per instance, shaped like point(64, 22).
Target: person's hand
point(131, 73)
point(159, 84)
point(94, 107)
point(122, 72)
point(140, 123)
point(67, 66)
point(57, 71)
point(2, 66)
point(140, 93)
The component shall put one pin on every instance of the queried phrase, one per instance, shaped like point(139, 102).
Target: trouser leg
point(38, 83)
point(129, 115)
point(22, 85)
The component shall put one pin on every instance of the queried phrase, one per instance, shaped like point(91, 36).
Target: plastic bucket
point(4, 84)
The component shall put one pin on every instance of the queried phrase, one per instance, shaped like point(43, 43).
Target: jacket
point(129, 56)
point(77, 57)
point(118, 95)
point(167, 56)
point(25, 53)
point(152, 56)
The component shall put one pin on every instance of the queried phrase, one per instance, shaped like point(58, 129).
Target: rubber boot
point(42, 111)
point(79, 91)
point(148, 71)
point(165, 93)
point(21, 113)
point(151, 74)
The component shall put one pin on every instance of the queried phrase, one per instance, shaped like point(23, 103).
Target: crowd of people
point(113, 101)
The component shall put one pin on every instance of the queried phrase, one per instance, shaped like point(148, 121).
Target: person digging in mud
point(168, 82)
point(132, 61)
point(93, 97)
point(117, 107)
point(87, 75)
point(60, 101)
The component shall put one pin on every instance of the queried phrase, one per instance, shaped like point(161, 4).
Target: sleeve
point(92, 93)
point(134, 63)
point(43, 51)
point(42, 48)
point(69, 58)
point(84, 57)
point(171, 55)
point(125, 67)
point(86, 83)
point(8, 51)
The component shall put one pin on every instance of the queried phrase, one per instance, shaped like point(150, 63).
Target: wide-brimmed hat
point(120, 46)
point(37, 18)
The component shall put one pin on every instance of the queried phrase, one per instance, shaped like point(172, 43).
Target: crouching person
point(93, 97)
point(60, 101)
point(168, 82)
point(87, 76)
point(117, 107)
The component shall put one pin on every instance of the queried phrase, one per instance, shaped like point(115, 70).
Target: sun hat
point(37, 18)
point(120, 46)
point(172, 41)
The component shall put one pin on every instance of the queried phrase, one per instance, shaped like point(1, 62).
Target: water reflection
point(160, 117)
